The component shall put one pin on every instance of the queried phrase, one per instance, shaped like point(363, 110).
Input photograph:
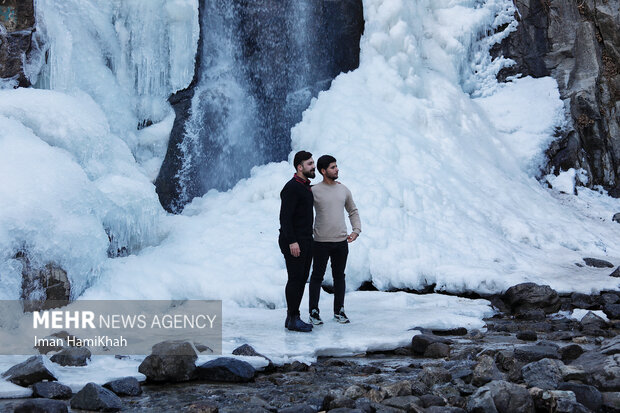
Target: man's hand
point(295, 251)
point(352, 237)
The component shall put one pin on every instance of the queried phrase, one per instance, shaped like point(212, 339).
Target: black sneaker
point(315, 318)
point(341, 317)
point(295, 324)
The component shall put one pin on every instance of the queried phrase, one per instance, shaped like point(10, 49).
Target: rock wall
point(578, 43)
point(17, 21)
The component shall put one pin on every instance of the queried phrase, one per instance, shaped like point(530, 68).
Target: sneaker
point(295, 324)
point(315, 318)
point(341, 317)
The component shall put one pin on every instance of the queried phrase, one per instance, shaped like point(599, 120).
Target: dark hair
point(300, 157)
point(323, 162)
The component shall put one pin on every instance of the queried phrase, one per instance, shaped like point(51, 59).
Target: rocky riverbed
point(533, 357)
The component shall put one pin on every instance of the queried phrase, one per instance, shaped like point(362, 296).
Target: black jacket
point(296, 213)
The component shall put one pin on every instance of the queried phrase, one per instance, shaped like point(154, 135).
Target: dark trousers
point(298, 269)
point(336, 252)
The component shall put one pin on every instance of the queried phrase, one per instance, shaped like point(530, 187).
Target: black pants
point(337, 252)
point(298, 269)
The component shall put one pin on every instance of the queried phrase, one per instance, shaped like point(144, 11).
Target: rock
point(43, 288)
point(559, 401)
point(485, 371)
point(545, 374)
point(370, 370)
point(616, 273)
point(407, 403)
point(429, 400)
point(537, 352)
point(610, 298)
point(530, 296)
point(444, 409)
point(41, 406)
point(380, 408)
point(589, 396)
point(341, 402)
point(226, 369)
point(579, 300)
point(596, 263)
point(354, 392)
point(297, 408)
point(51, 390)
point(205, 406)
point(570, 352)
point(611, 346)
point(201, 348)
point(505, 359)
point(611, 401)
point(501, 397)
point(94, 397)
point(459, 331)
point(612, 311)
point(603, 371)
point(128, 386)
point(400, 388)
point(534, 314)
point(431, 376)
point(377, 395)
point(527, 335)
point(573, 373)
point(28, 372)
point(72, 356)
point(437, 350)
point(420, 342)
point(170, 361)
point(591, 321)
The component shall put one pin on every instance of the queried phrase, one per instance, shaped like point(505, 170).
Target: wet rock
point(611, 346)
point(401, 388)
point(371, 370)
point(460, 331)
point(41, 406)
point(612, 311)
point(570, 352)
point(485, 371)
point(429, 400)
point(531, 296)
point(501, 397)
point(51, 390)
point(589, 396)
point(545, 374)
point(170, 361)
point(420, 342)
point(611, 401)
point(28, 372)
point(295, 366)
point(94, 397)
point(354, 392)
point(43, 288)
point(432, 376)
point(127, 386)
point(437, 350)
point(527, 335)
point(537, 352)
point(603, 371)
point(616, 273)
point(72, 356)
point(248, 350)
point(534, 314)
point(407, 403)
point(597, 263)
point(226, 369)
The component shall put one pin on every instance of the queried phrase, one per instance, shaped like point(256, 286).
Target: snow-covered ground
point(441, 161)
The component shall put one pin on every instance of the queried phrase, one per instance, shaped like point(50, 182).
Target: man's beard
point(332, 177)
point(309, 174)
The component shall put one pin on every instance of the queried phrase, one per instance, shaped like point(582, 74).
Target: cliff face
point(578, 43)
point(17, 22)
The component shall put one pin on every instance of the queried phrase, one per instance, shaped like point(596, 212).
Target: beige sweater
point(330, 201)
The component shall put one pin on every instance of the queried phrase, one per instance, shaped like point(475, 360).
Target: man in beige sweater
point(331, 239)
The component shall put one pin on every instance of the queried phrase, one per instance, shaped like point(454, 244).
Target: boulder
point(437, 351)
point(557, 401)
point(406, 403)
point(485, 371)
point(226, 369)
point(458, 331)
point(170, 361)
point(545, 374)
point(611, 346)
point(570, 352)
point(94, 397)
point(354, 392)
point(400, 388)
point(296, 408)
point(72, 356)
point(612, 311)
point(597, 263)
point(536, 352)
point(127, 386)
point(444, 409)
point(531, 296)
point(432, 376)
point(41, 406)
point(603, 371)
point(429, 400)
point(611, 401)
point(527, 335)
point(420, 342)
point(616, 218)
point(501, 397)
point(587, 395)
point(248, 350)
point(28, 372)
point(51, 390)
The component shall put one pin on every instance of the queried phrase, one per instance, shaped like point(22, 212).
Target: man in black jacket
point(296, 220)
